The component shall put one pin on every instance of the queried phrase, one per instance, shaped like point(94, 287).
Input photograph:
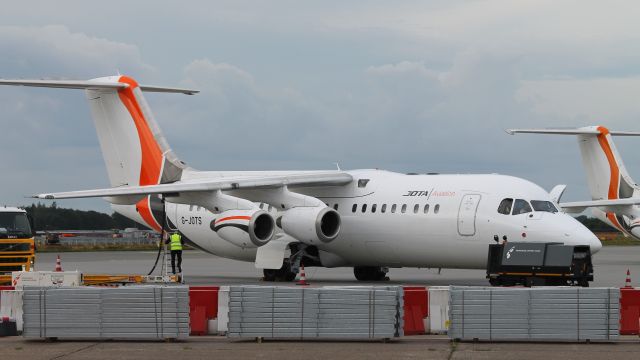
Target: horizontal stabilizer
point(92, 85)
point(329, 178)
point(580, 206)
point(577, 131)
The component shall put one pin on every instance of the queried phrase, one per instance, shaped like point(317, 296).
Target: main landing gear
point(283, 274)
point(371, 273)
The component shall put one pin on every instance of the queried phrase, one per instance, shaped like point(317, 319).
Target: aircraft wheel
point(282, 274)
point(361, 273)
point(370, 273)
point(269, 275)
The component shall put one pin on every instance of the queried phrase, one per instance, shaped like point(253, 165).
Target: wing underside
point(329, 178)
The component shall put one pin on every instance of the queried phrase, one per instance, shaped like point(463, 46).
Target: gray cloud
point(409, 87)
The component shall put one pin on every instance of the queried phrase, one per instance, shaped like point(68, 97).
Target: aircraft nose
point(584, 236)
point(577, 234)
point(595, 244)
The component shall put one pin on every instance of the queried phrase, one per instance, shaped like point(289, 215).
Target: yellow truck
point(17, 246)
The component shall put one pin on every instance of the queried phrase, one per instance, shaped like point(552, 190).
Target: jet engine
point(311, 225)
point(245, 228)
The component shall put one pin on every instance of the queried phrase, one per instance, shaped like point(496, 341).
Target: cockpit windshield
point(540, 205)
point(521, 207)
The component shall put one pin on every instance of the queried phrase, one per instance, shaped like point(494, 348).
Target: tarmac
point(610, 268)
point(611, 264)
point(412, 347)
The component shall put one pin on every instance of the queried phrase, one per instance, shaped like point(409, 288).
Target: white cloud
point(54, 50)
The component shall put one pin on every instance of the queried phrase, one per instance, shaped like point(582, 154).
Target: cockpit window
point(539, 205)
point(505, 206)
point(521, 207)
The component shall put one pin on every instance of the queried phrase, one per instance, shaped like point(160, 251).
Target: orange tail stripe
point(151, 153)
point(614, 221)
point(613, 166)
point(144, 209)
point(234, 218)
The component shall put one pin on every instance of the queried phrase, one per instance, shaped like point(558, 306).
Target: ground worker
point(175, 245)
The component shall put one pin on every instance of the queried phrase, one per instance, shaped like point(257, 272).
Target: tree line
point(52, 217)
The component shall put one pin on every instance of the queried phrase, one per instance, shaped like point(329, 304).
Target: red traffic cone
point(58, 265)
point(303, 279)
point(627, 281)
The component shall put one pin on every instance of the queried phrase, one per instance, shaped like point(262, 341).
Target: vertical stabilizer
point(134, 149)
point(607, 176)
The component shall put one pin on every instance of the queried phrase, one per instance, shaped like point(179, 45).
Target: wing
point(306, 179)
point(577, 131)
point(611, 205)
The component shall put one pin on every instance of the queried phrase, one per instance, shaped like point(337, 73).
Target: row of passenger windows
point(520, 206)
point(403, 208)
point(374, 208)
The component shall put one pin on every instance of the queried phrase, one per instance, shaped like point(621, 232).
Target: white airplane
point(615, 196)
point(367, 219)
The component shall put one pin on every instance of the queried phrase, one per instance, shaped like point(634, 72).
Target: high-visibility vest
point(176, 242)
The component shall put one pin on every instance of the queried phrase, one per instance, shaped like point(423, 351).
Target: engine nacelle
point(245, 228)
point(311, 225)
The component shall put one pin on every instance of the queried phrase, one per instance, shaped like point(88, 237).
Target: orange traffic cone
point(303, 279)
point(627, 281)
point(58, 265)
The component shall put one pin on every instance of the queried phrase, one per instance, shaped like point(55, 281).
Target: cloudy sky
point(409, 86)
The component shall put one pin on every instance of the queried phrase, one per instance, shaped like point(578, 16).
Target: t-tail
point(135, 151)
point(613, 191)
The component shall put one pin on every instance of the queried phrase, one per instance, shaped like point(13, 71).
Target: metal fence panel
point(133, 312)
point(541, 313)
point(301, 313)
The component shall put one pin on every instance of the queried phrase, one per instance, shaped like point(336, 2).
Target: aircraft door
point(467, 214)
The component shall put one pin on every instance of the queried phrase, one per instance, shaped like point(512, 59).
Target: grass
point(616, 239)
point(621, 241)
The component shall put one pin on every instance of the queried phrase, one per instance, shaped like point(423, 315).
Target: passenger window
point(335, 207)
point(393, 208)
point(383, 208)
point(436, 209)
point(505, 206)
point(270, 208)
point(426, 209)
point(261, 206)
point(521, 207)
point(373, 208)
point(364, 207)
point(416, 207)
point(354, 208)
point(190, 207)
point(404, 208)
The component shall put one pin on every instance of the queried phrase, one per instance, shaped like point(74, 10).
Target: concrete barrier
point(629, 311)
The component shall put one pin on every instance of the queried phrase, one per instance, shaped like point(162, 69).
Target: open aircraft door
point(467, 214)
